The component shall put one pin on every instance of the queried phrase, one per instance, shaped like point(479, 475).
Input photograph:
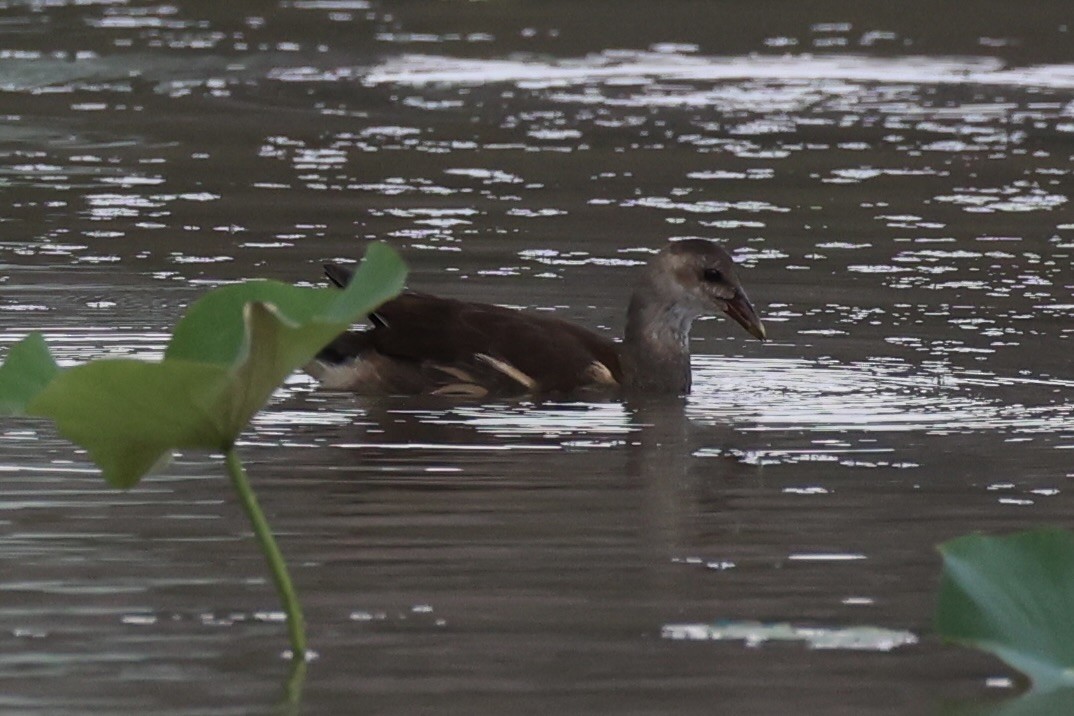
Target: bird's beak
point(741, 310)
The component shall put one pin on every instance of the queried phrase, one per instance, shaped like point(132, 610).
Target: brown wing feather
point(554, 353)
point(501, 349)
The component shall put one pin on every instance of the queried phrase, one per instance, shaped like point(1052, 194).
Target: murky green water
point(896, 182)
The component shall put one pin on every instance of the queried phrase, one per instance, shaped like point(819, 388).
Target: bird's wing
point(538, 353)
point(504, 349)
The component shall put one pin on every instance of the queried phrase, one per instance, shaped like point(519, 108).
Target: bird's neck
point(656, 350)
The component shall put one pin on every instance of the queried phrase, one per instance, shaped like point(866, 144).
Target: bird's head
point(700, 276)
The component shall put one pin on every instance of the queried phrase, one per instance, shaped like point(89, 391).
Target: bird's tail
point(339, 275)
point(346, 346)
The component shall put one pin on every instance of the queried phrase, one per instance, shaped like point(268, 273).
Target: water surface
point(896, 187)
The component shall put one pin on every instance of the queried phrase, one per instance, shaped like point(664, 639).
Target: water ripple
point(642, 66)
point(775, 395)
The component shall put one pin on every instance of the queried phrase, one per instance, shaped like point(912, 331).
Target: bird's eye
point(711, 275)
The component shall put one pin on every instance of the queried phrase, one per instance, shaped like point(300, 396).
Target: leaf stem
point(296, 623)
point(291, 704)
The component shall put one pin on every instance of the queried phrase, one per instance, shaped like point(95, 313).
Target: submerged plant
point(1013, 596)
point(226, 356)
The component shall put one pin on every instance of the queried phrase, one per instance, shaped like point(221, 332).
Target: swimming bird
point(423, 344)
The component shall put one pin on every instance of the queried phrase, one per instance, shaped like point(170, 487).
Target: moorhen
point(426, 344)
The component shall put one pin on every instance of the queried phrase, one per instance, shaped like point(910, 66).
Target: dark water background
point(895, 179)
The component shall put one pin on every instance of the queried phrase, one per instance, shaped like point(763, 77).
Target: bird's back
point(426, 344)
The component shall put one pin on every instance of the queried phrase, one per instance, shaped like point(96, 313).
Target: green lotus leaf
point(227, 356)
point(28, 369)
point(1013, 596)
point(275, 347)
point(131, 414)
point(214, 330)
